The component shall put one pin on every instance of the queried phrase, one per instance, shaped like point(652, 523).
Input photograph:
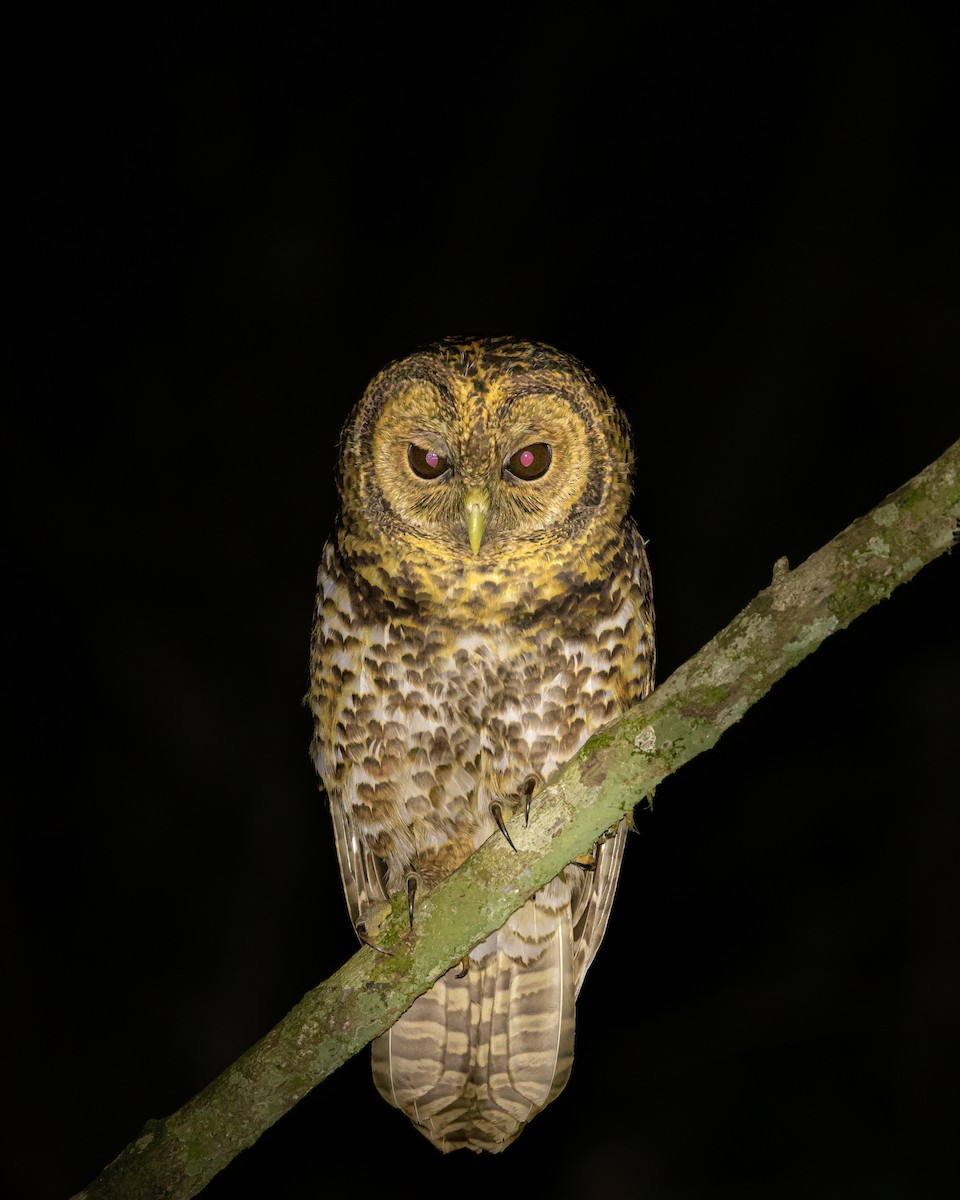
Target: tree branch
point(616, 769)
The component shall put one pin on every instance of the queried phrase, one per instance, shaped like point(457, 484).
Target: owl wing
point(339, 639)
point(591, 907)
point(362, 873)
point(629, 631)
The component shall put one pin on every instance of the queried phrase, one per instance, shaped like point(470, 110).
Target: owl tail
point(474, 1059)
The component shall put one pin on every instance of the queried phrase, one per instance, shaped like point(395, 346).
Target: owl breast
point(430, 718)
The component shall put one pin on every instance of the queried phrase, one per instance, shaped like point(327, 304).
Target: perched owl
point(484, 607)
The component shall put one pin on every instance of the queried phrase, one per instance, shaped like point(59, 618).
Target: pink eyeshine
point(432, 458)
point(526, 458)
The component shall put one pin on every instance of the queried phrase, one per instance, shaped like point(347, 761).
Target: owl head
point(481, 449)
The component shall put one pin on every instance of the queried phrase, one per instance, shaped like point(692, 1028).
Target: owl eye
point(531, 462)
point(428, 464)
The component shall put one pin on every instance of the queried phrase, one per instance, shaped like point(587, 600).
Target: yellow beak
point(477, 504)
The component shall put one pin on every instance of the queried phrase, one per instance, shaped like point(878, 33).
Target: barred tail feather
point(475, 1059)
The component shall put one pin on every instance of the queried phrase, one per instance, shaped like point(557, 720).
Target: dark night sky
point(747, 227)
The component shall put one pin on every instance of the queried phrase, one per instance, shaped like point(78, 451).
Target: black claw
point(367, 940)
point(497, 813)
point(464, 966)
point(411, 892)
point(528, 786)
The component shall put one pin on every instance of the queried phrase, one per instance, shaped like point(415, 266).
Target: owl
point(484, 606)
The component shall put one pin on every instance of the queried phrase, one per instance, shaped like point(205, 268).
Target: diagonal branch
point(612, 773)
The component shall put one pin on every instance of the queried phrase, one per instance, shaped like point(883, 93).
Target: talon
point(411, 892)
point(361, 932)
point(586, 862)
point(527, 790)
point(497, 813)
point(371, 923)
point(464, 966)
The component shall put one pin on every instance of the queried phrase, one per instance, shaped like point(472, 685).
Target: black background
point(746, 224)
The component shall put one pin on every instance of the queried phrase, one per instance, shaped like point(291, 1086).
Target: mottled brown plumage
point(484, 606)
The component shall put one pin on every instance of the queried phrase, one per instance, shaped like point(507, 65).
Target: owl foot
point(497, 813)
point(412, 880)
point(587, 862)
point(464, 966)
point(371, 923)
point(364, 937)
